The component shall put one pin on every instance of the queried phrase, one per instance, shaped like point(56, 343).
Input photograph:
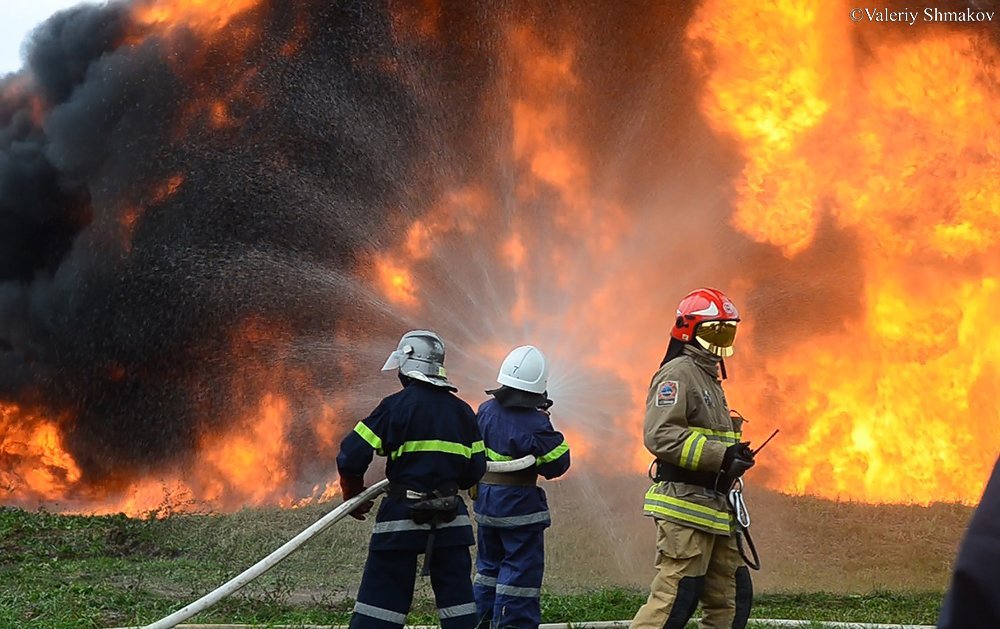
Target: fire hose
point(296, 542)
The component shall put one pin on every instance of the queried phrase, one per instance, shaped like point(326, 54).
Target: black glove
point(351, 486)
point(737, 460)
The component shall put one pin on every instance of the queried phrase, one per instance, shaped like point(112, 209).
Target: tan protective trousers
point(681, 552)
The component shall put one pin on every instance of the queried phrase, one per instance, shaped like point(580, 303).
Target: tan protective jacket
point(687, 424)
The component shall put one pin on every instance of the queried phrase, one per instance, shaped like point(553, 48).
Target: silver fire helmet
point(420, 355)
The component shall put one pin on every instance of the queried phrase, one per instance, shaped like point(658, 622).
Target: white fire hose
point(514, 465)
point(293, 544)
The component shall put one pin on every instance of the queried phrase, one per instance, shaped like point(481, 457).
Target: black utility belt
point(670, 473)
point(432, 507)
point(401, 492)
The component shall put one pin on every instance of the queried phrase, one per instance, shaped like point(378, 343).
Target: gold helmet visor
point(717, 337)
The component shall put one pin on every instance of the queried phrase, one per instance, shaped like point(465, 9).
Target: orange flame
point(901, 151)
point(202, 15)
point(395, 282)
point(32, 446)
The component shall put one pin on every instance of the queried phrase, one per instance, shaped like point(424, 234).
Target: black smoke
point(131, 308)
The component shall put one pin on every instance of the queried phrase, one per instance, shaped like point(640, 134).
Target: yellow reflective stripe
point(697, 453)
point(691, 452)
point(687, 517)
point(708, 511)
point(433, 445)
point(553, 454)
point(718, 435)
point(687, 511)
point(692, 439)
point(478, 446)
point(370, 437)
point(493, 455)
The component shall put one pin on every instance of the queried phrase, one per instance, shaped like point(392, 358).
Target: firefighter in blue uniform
point(433, 448)
point(973, 601)
point(510, 509)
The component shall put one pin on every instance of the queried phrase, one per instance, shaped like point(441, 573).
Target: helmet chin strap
point(722, 368)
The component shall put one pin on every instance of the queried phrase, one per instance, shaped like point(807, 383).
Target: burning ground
point(217, 218)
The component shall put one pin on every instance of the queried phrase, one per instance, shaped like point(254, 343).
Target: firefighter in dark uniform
point(433, 449)
point(510, 509)
point(699, 455)
point(973, 600)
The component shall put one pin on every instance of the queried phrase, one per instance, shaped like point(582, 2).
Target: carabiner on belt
point(738, 505)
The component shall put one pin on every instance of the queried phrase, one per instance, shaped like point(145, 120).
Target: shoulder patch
point(666, 393)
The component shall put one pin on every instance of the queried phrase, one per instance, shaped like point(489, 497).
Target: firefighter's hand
point(351, 486)
point(362, 509)
point(737, 460)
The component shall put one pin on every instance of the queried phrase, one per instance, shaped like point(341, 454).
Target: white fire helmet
point(420, 355)
point(525, 368)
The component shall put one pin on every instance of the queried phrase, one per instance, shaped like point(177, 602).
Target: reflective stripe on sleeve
point(370, 437)
point(553, 454)
point(691, 452)
point(725, 436)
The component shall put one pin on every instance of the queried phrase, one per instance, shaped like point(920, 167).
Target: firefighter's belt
point(670, 473)
point(400, 492)
point(435, 511)
point(520, 478)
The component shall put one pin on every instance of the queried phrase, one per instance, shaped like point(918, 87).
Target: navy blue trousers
point(508, 580)
point(386, 590)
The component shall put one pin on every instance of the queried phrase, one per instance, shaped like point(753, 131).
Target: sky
point(17, 18)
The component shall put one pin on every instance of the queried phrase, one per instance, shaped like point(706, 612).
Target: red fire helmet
point(700, 306)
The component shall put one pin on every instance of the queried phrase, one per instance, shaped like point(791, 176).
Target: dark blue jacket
point(511, 433)
point(973, 601)
point(431, 441)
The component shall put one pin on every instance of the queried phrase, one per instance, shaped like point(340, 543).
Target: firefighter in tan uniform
point(699, 455)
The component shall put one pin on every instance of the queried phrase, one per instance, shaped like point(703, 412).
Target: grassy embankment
point(822, 560)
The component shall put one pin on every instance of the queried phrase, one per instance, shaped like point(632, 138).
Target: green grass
point(79, 572)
